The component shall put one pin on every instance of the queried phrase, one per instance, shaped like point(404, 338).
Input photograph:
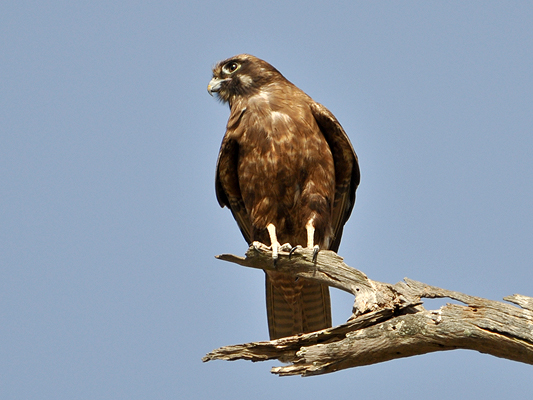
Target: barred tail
point(295, 306)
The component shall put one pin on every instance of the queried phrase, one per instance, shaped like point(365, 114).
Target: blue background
point(108, 219)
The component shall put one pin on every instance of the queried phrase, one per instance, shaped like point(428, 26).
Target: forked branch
point(387, 322)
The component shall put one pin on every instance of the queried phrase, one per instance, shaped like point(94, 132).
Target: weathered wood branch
point(387, 322)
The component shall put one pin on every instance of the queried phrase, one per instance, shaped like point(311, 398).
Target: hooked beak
point(215, 84)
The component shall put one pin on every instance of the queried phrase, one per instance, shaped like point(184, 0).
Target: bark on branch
point(387, 322)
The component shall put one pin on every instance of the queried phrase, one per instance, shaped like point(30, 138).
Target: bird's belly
point(279, 181)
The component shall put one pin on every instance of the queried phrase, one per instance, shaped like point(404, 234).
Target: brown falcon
point(288, 173)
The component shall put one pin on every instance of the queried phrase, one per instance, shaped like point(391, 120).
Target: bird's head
point(239, 76)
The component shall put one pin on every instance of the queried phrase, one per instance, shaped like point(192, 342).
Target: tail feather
point(295, 306)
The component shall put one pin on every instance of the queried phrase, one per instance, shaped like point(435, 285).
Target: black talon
point(315, 253)
point(292, 251)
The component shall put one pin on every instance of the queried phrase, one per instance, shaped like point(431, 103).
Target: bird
point(288, 172)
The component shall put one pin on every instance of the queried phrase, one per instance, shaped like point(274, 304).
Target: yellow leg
point(273, 240)
point(311, 238)
point(310, 233)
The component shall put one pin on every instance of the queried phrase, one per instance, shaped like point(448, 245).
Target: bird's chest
point(274, 148)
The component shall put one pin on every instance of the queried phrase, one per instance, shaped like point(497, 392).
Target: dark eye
point(230, 67)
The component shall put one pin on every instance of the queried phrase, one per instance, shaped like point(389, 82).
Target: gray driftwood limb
point(387, 322)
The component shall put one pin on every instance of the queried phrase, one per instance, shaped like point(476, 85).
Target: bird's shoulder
point(277, 102)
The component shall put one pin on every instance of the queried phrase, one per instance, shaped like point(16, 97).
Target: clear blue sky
point(108, 219)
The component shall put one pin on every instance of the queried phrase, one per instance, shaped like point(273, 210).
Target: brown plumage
point(288, 173)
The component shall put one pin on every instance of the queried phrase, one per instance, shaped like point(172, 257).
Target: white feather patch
point(246, 80)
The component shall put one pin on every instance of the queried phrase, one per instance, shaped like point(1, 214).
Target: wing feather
point(347, 174)
point(227, 186)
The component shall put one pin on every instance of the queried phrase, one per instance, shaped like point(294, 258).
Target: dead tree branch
point(388, 321)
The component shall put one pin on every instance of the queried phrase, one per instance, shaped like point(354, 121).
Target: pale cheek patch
point(246, 80)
